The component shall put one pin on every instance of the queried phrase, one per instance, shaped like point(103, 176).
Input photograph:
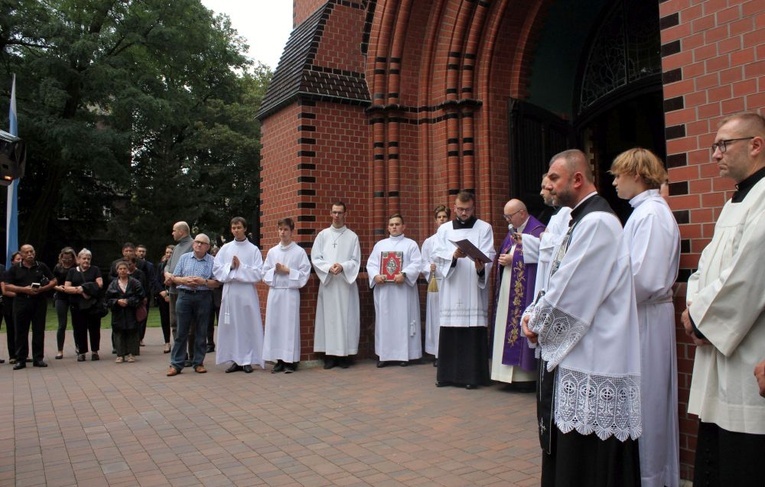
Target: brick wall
point(315, 153)
point(439, 76)
point(713, 60)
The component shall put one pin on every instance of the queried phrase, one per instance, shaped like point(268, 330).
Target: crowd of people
point(582, 311)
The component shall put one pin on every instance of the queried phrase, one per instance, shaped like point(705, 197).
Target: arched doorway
point(620, 101)
point(600, 90)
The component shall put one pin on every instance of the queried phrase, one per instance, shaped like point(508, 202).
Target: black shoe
point(2, 361)
point(440, 383)
point(435, 363)
point(329, 363)
point(290, 368)
point(210, 348)
point(403, 363)
point(381, 364)
point(94, 356)
point(234, 368)
point(524, 387)
point(20, 365)
point(279, 367)
point(471, 386)
point(39, 363)
point(344, 362)
point(12, 361)
point(247, 369)
point(81, 357)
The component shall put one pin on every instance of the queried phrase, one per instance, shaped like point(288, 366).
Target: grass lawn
point(51, 321)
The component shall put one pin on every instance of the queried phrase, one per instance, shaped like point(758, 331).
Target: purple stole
point(516, 350)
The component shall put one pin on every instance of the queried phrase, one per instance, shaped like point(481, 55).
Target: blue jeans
point(191, 309)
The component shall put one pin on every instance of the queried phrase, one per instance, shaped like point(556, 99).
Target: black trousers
point(9, 326)
point(86, 324)
point(164, 316)
point(30, 312)
point(727, 458)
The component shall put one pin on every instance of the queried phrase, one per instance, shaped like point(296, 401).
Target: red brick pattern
point(439, 75)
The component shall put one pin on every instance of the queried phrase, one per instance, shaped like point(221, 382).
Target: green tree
point(133, 111)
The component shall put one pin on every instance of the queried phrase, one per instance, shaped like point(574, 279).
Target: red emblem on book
point(390, 264)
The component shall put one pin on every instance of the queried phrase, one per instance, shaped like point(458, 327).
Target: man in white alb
point(586, 327)
point(653, 239)
point(285, 271)
point(725, 317)
point(336, 257)
point(463, 349)
point(393, 268)
point(239, 266)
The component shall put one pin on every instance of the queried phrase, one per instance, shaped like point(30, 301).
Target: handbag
point(141, 313)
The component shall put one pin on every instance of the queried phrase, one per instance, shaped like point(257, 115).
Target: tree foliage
point(136, 114)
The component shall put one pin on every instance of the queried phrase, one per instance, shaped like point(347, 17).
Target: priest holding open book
point(393, 268)
point(463, 253)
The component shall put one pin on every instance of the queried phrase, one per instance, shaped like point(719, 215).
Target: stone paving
point(107, 424)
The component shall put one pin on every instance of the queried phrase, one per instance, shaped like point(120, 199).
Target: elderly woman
point(84, 284)
point(124, 295)
point(67, 259)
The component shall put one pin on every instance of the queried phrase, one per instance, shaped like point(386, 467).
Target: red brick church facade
point(396, 105)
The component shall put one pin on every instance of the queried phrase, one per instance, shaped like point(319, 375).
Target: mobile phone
point(35, 285)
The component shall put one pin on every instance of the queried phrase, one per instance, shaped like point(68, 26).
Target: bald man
point(183, 244)
point(512, 360)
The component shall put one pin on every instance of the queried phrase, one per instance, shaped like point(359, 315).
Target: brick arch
point(443, 67)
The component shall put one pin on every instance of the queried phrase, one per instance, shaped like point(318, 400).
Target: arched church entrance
point(596, 85)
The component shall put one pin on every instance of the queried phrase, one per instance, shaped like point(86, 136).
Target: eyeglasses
point(508, 217)
point(201, 243)
point(463, 210)
point(723, 144)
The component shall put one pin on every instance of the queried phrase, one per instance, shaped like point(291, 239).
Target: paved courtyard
point(107, 424)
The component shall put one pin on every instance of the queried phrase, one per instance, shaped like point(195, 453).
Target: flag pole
point(12, 209)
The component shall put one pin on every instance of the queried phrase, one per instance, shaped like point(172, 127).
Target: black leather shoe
point(381, 364)
point(279, 367)
point(210, 348)
point(290, 368)
point(344, 362)
point(435, 363)
point(471, 386)
point(247, 369)
point(39, 363)
point(234, 368)
point(81, 357)
point(329, 363)
point(404, 363)
point(441, 383)
point(20, 365)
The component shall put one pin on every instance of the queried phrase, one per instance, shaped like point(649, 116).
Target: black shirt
point(22, 276)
